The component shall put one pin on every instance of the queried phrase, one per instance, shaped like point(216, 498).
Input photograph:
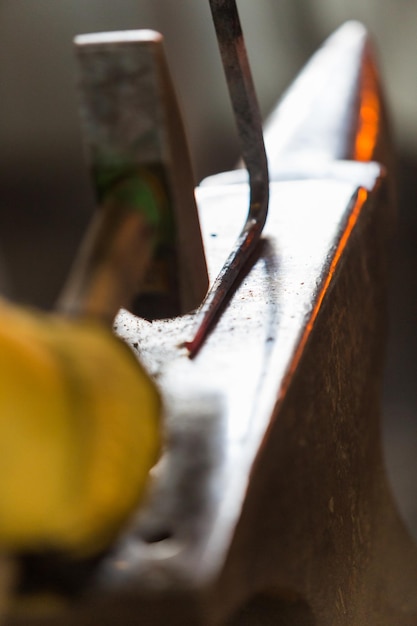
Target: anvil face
point(220, 404)
point(272, 477)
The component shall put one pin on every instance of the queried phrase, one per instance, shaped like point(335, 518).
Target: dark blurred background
point(45, 197)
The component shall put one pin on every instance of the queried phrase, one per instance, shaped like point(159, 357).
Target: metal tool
point(249, 125)
point(144, 247)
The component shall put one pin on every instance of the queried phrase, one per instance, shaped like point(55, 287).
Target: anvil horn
point(334, 109)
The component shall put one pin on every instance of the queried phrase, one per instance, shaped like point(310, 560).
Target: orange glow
point(353, 218)
point(369, 115)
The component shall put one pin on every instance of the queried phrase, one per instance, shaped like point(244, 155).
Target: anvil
point(270, 504)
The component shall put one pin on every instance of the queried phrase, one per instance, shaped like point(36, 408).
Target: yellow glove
point(79, 432)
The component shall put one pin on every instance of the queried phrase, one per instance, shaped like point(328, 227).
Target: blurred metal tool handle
point(144, 249)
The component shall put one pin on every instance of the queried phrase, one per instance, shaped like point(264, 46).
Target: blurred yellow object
point(79, 432)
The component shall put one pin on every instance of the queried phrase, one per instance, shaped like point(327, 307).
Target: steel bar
point(249, 125)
